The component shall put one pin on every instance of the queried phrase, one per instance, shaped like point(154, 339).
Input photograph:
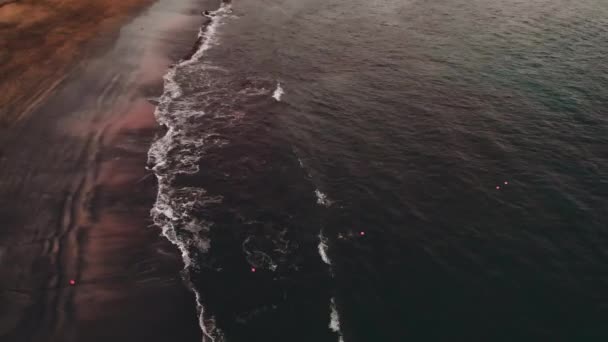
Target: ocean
point(397, 170)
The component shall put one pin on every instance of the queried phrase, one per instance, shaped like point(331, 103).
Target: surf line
point(166, 213)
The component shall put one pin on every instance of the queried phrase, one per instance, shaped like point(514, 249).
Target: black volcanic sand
point(75, 198)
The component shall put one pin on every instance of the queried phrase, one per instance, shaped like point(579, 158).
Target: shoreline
point(77, 162)
point(157, 156)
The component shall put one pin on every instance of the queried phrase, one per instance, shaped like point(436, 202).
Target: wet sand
point(40, 42)
point(75, 195)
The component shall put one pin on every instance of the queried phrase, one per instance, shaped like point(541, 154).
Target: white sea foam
point(323, 248)
point(208, 34)
point(257, 258)
point(334, 317)
point(278, 92)
point(322, 198)
point(334, 320)
point(173, 207)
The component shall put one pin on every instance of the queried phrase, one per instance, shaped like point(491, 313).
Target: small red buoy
point(497, 187)
point(506, 183)
point(72, 282)
point(362, 233)
point(253, 269)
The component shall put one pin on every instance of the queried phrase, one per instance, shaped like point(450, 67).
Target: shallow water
point(377, 171)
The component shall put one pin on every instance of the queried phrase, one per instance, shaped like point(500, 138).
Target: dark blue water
point(392, 170)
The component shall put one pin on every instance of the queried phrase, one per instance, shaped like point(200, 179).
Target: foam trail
point(170, 210)
point(278, 92)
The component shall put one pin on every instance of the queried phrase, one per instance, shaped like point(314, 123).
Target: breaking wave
point(278, 92)
point(168, 157)
point(323, 249)
point(322, 199)
point(334, 316)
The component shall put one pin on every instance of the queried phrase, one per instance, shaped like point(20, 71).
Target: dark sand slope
point(75, 199)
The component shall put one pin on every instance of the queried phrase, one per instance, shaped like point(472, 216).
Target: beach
point(40, 41)
point(80, 258)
